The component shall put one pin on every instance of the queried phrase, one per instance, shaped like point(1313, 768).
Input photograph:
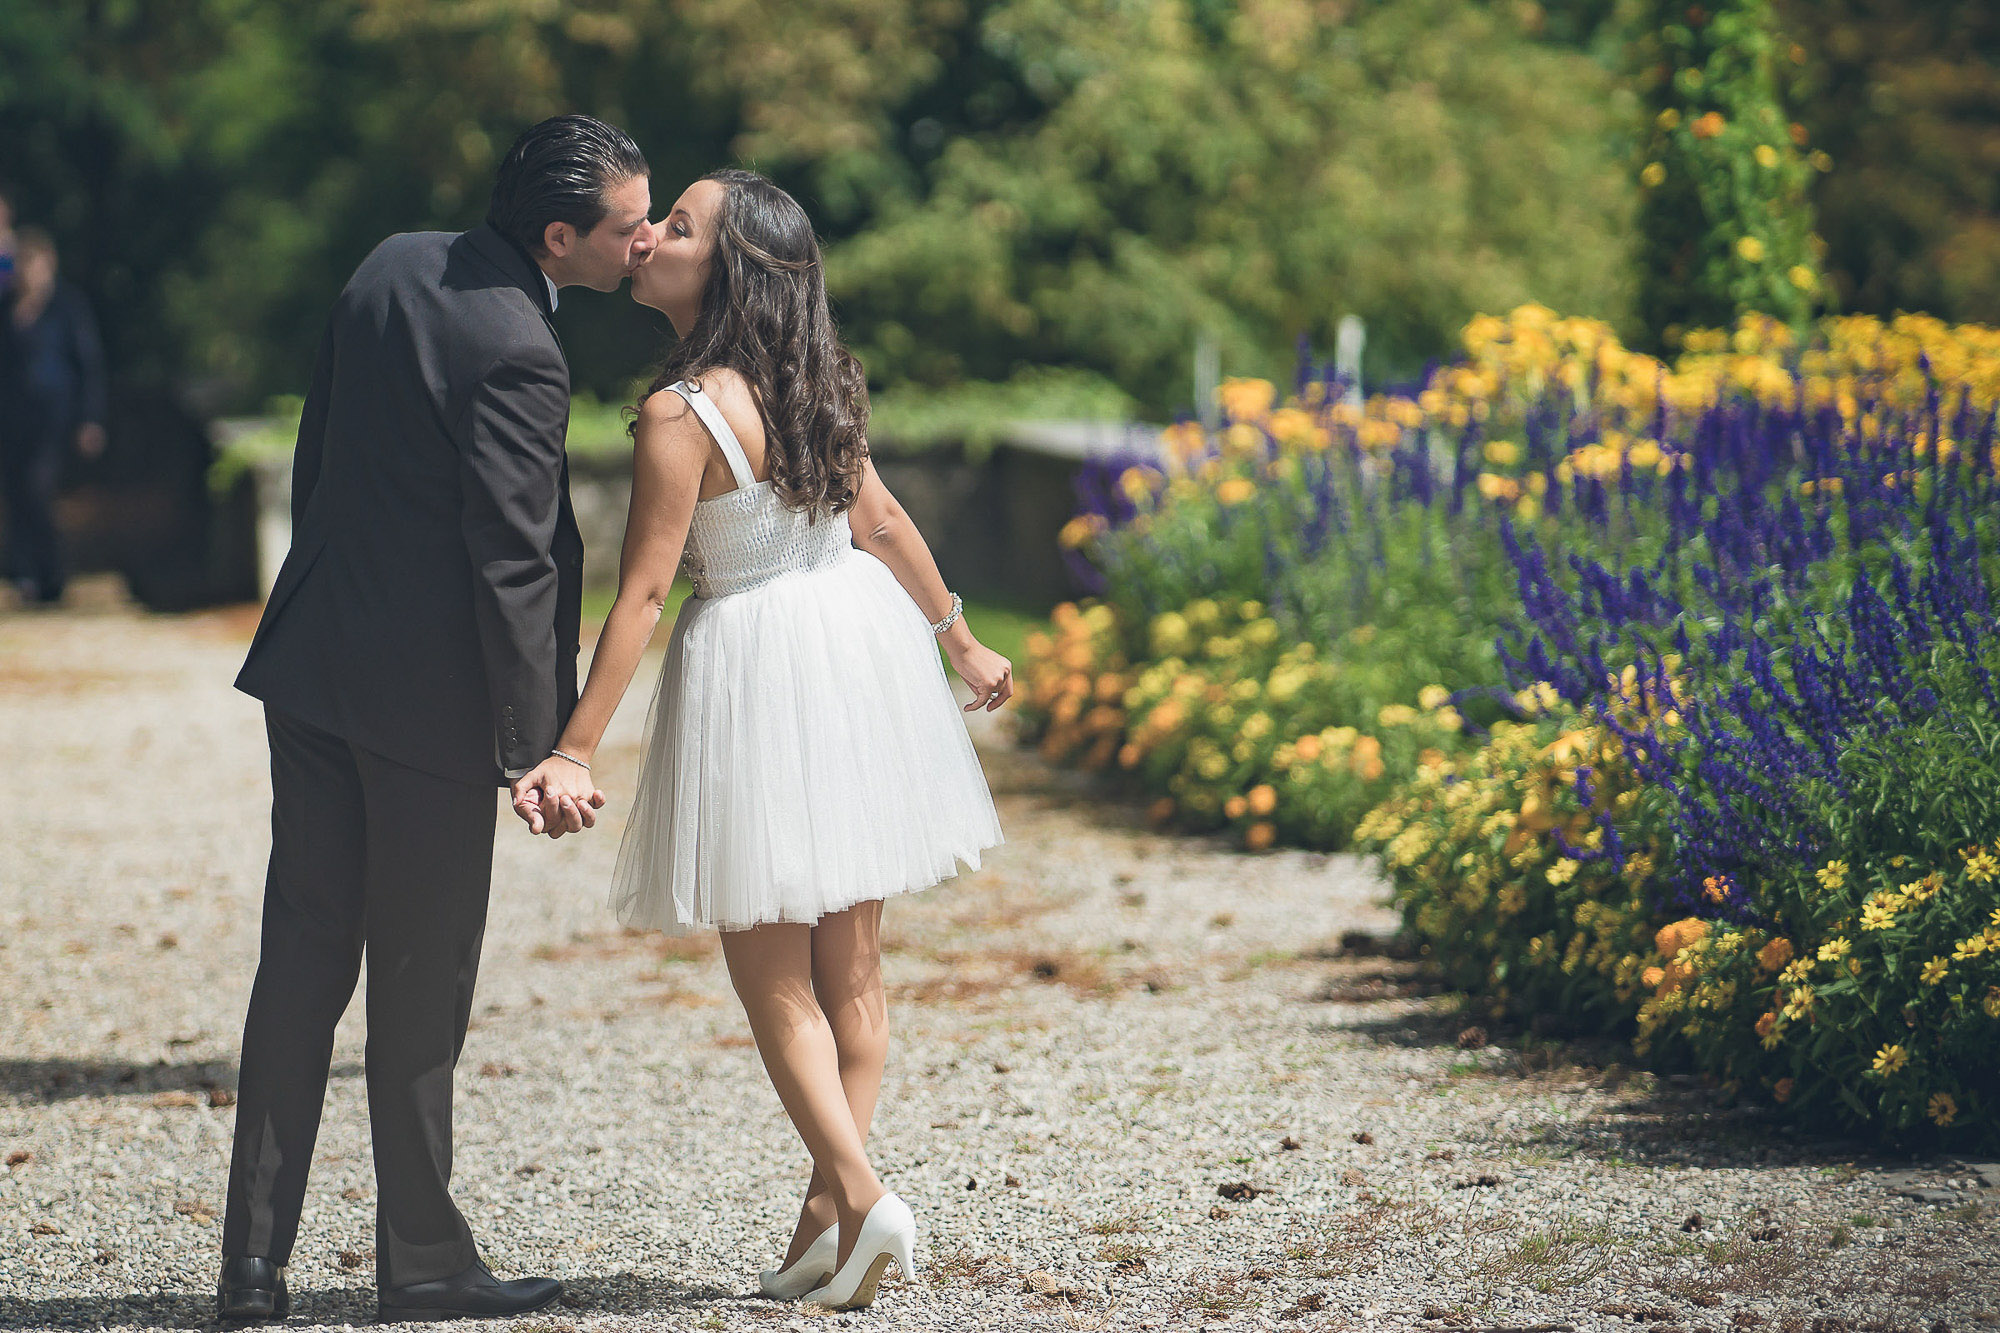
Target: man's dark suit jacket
point(428, 610)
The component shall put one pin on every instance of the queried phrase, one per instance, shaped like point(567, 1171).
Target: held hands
point(990, 675)
point(557, 797)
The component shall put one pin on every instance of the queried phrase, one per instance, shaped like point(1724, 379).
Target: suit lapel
point(520, 269)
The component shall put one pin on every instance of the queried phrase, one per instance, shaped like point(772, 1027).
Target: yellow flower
point(1668, 118)
point(1563, 871)
point(1751, 249)
point(1767, 156)
point(1080, 530)
point(1980, 865)
point(1991, 1004)
point(1654, 175)
point(1942, 1108)
point(1246, 399)
point(1876, 915)
point(1502, 453)
point(1832, 875)
point(1834, 949)
point(1890, 1059)
point(1433, 697)
point(1802, 277)
point(1935, 969)
point(1235, 490)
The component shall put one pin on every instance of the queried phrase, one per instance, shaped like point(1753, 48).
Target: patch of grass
point(1123, 1251)
point(1119, 1224)
point(1213, 1293)
point(1566, 1253)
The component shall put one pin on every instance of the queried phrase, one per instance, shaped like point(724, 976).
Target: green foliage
point(1901, 101)
point(1251, 171)
point(976, 414)
point(1879, 1004)
point(1230, 722)
point(1726, 225)
point(1496, 904)
point(1002, 185)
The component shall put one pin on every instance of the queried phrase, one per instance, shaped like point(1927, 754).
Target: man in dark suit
point(417, 652)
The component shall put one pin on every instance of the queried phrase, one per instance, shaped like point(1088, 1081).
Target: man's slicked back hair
point(560, 171)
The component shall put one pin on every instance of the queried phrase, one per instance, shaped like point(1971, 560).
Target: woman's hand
point(557, 797)
point(990, 675)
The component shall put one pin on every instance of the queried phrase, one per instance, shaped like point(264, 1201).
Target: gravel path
point(1136, 1082)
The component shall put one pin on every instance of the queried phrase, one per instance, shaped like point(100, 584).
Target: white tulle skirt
point(803, 753)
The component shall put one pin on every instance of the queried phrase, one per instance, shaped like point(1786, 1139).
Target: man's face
point(617, 245)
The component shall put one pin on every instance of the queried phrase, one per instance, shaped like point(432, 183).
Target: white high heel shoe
point(804, 1273)
point(888, 1232)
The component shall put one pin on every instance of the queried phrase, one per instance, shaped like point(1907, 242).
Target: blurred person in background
point(52, 399)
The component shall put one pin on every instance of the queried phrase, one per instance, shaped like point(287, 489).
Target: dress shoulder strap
point(711, 417)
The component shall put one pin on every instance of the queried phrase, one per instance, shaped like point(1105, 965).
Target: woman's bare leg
point(771, 967)
point(847, 980)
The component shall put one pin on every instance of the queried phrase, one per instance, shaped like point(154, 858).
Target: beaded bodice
point(748, 536)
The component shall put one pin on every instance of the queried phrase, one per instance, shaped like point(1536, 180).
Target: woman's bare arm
point(670, 449)
point(882, 529)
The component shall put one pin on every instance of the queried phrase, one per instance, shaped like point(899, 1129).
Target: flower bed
point(1666, 692)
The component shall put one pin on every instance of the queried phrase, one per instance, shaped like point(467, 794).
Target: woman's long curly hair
point(764, 315)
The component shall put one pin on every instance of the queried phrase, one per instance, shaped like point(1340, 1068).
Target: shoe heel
point(903, 1245)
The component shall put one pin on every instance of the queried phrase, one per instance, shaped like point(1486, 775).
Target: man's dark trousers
point(368, 858)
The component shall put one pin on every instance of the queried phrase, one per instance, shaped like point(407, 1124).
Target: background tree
point(1905, 102)
point(1726, 226)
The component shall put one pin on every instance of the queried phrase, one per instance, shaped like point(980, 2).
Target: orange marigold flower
point(1263, 799)
point(1707, 126)
point(1235, 807)
point(1160, 811)
point(1775, 954)
point(1671, 939)
point(1260, 835)
point(1782, 1090)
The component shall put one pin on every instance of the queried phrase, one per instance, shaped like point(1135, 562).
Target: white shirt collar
point(552, 288)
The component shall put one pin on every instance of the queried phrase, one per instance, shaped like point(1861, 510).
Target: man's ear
point(557, 238)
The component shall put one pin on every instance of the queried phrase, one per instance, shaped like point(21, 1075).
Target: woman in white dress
point(804, 757)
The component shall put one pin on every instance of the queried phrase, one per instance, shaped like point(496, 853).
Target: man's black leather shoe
point(251, 1288)
point(473, 1294)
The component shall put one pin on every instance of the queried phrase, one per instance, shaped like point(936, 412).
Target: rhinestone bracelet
point(558, 754)
point(956, 606)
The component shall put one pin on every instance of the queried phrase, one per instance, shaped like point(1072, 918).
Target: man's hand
point(556, 797)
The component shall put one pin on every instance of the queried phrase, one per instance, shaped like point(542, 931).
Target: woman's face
point(673, 276)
